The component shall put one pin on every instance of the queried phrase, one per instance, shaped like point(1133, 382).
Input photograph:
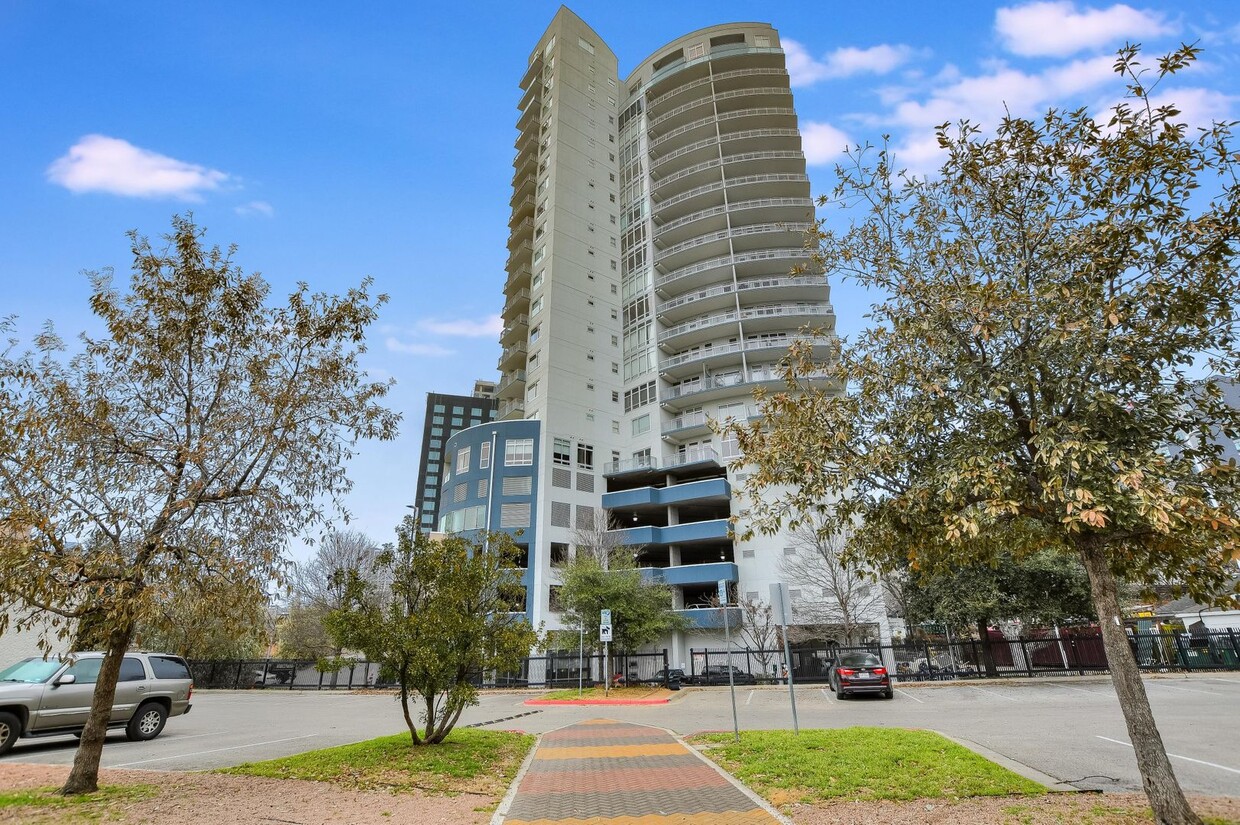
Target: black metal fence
point(560, 670)
point(1066, 653)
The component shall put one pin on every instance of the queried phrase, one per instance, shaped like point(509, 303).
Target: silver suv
point(52, 697)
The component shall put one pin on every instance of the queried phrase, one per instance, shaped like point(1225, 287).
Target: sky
point(332, 141)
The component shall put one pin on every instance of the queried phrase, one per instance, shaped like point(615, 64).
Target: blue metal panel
point(710, 488)
point(700, 573)
point(712, 617)
point(675, 534)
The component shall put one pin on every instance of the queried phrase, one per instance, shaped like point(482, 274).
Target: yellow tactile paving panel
point(754, 817)
point(601, 751)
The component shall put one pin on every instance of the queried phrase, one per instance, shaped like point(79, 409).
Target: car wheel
point(10, 728)
point(840, 695)
point(890, 694)
point(831, 685)
point(146, 723)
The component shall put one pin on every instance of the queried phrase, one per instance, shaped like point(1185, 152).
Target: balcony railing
point(735, 232)
point(729, 260)
point(722, 117)
point(741, 286)
point(699, 354)
point(718, 96)
point(731, 182)
point(510, 380)
point(716, 78)
point(514, 407)
point(736, 206)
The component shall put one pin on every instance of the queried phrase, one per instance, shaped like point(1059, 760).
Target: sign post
point(604, 636)
point(727, 637)
point(782, 607)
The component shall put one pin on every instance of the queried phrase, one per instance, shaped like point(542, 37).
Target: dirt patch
point(215, 798)
point(192, 798)
point(1051, 809)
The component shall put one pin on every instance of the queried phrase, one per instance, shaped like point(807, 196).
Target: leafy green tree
point(1043, 587)
point(182, 445)
point(641, 609)
point(1046, 308)
point(447, 621)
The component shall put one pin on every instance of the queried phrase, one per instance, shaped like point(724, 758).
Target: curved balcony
point(517, 303)
point(687, 178)
point(783, 210)
point(521, 210)
point(512, 357)
point(686, 364)
point(754, 97)
point(786, 316)
point(736, 384)
point(523, 231)
point(769, 185)
point(762, 117)
point(520, 255)
point(513, 408)
point(790, 287)
point(773, 160)
point(667, 257)
point(697, 329)
point(706, 196)
point(684, 113)
point(518, 278)
point(515, 330)
point(721, 78)
point(699, 274)
point(511, 385)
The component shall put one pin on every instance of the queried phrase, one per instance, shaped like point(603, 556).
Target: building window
point(484, 455)
point(437, 431)
point(639, 396)
point(585, 457)
point(534, 333)
point(436, 419)
point(641, 424)
point(561, 452)
point(615, 396)
point(518, 452)
point(536, 307)
point(483, 487)
point(462, 460)
point(559, 553)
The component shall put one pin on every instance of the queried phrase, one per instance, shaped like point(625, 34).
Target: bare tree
point(851, 595)
point(759, 630)
point(320, 585)
point(598, 538)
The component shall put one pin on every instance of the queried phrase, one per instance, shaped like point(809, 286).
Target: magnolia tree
point(1036, 376)
point(185, 443)
point(450, 614)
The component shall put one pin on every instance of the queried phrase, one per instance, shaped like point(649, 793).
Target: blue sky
point(331, 142)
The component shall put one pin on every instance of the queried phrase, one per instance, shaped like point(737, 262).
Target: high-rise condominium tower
point(656, 275)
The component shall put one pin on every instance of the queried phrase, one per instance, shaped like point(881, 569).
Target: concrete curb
point(732, 780)
point(1019, 768)
point(576, 702)
point(501, 810)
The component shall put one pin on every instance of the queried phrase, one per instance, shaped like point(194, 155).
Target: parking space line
point(1186, 690)
point(214, 750)
point(1082, 690)
point(909, 695)
point(991, 692)
point(749, 698)
point(824, 693)
point(1232, 682)
point(1176, 756)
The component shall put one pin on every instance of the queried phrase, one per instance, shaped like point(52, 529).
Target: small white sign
point(723, 592)
point(781, 604)
point(604, 633)
point(604, 616)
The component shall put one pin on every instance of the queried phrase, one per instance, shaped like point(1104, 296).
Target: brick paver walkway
point(615, 773)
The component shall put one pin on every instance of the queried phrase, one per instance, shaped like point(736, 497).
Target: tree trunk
point(988, 656)
point(84, 778)
point(404, 704)
point(1157, 777)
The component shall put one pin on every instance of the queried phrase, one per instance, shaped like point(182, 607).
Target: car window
point(169, 667)
point(31, 671)
point(85, 671)
point(860, 660)
point(132, 670)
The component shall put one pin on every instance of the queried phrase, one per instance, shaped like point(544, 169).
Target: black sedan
point(718, 675)
point(859, 673)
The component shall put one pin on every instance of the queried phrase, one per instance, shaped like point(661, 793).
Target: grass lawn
point(89, 807)
point(859, 764)
point(473, 761)
point(634, 692)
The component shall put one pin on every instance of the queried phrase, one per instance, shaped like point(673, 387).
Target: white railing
point(721, 117)
point(726, 260)
point(756, 203)
point(740, 286)
point(713, 78)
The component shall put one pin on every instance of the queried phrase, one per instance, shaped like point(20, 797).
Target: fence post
point(748, 662)
point(1076, 656)
point(1179, 645)
point(1235, 650)
point(266, 664)
point(1024, 653)
point(929, 663)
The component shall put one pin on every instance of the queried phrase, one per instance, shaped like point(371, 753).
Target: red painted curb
point(597, 701)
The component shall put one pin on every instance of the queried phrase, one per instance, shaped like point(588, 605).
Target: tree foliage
point(318, 586)
point(603, 574)
point(184, 444)
point(446, 622)
point(1036, 374)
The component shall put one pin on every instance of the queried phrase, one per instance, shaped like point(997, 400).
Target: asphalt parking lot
point(1068, 728)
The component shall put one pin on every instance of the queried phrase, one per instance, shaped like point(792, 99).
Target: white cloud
point(805, 70)
point(489, 327)
point(98, 163)
point(415, 348)
point(822, 142)
point(255, 208)
point(1057, 28)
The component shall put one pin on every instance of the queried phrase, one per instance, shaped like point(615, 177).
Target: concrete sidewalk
point(617, 773)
